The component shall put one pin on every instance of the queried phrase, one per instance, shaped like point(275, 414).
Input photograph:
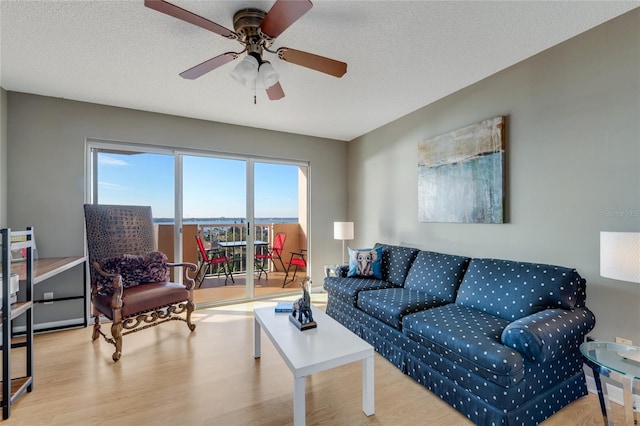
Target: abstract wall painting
point(461, 175)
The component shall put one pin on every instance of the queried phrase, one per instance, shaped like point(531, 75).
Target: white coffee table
point(306, 352)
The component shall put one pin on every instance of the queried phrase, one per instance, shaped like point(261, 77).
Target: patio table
point(231, 247)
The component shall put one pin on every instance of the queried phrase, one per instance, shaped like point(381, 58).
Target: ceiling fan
point(256, 31)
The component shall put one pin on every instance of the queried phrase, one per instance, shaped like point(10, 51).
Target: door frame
point(94, 146)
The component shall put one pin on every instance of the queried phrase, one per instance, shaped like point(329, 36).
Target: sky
point(213, 187)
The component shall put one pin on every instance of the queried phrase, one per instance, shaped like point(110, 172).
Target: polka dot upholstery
point(437, 274)
point(391, 304)
point(581, 294)
point(535, 381)
point(348, 289)
point(496, 359)
point(549, 334)
point(468, 337)
point(473, 402)
point(564, 376)
point(512, 290)
point(387, 340)
point(396, 262)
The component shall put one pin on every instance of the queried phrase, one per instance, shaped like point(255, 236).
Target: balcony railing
point(215, 233)
point(227, 232)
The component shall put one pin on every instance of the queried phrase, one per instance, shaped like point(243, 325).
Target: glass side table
point(617, 362)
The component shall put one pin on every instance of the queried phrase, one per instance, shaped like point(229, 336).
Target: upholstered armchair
point(130, 280)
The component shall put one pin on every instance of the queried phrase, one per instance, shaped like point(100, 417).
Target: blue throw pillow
point(366, 263)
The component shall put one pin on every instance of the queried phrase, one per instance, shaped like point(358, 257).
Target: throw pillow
point(365, 263)
point(148, 268)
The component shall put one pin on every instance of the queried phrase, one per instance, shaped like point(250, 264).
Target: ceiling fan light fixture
point(246, 71)
point(267, 75)
point(256, 31)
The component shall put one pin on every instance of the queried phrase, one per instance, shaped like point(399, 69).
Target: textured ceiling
point(401, 55)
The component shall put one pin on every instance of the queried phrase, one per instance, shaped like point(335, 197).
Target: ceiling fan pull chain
point(255, 102)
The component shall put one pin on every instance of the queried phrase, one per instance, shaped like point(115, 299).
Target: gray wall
point(46, 145)
point(572, 166)
point(3, 158)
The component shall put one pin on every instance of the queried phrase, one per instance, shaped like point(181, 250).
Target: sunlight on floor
point(241, 310)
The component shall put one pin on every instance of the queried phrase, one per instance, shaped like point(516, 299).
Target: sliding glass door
point(214, 209)
point(280, 208)
point(124, 175)
point(135, 178)
point(234, 205)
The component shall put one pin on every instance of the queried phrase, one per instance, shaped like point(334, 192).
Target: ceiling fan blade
point(282, 14)
point(190, 17)
point(275, 92)
point(315, 62)
point(209, 65)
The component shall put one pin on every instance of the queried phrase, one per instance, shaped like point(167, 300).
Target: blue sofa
point(496, 339)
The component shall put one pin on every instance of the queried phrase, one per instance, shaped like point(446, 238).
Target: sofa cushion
point(389, 305)
point(365, 263)
point(396, 261)
point(347, 289)
point(469, 338)
point(437, 274)
point(512, 290)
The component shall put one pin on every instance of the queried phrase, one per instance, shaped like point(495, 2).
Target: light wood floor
point(215, 291)
point(168, 376)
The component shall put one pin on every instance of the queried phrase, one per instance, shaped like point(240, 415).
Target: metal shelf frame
point(14, 387)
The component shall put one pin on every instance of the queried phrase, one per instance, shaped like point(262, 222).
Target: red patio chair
point(209, 258)
point(273, 252)
point(297, 260)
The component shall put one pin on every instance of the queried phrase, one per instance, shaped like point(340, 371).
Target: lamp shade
point(620, 256)
point(267, 75)
point(343, 230)
point(246, 70)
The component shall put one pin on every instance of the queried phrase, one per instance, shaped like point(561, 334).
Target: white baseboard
point(613, 391)
point(74, 322)
point(52, 326)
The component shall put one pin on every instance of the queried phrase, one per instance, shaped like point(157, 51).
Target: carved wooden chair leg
point(116, 333)
point(190, 308)
point(96, 328)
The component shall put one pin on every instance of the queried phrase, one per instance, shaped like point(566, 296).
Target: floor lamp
point(620, 260)
point(620, 256)
point(343, 231)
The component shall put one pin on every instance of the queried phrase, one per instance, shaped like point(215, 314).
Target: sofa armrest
point(549, 334)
